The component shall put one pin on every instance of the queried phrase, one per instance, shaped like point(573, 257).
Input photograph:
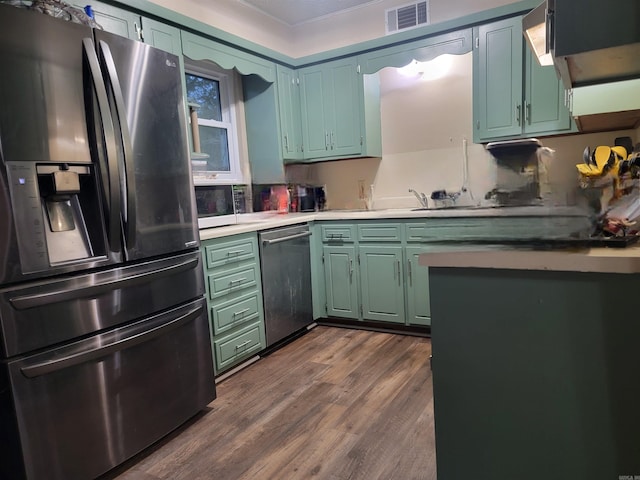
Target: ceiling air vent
point(407, 16)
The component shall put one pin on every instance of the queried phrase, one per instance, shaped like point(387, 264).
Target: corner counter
point(536, 371)
point(596, 260)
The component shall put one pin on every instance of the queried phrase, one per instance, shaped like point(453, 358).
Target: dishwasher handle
point(286, 239)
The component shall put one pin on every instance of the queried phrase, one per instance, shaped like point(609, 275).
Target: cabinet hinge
point(323, 258)
point(358, 259)
point(361, 141)
point(478, 125)
point(361, 310)
point(477, 42)
point(358, 69)
point(326, 308)
point(297, 81)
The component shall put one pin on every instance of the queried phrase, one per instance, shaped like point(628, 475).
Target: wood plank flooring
point(335, 404)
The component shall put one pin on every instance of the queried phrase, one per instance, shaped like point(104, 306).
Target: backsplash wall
point(424, 125)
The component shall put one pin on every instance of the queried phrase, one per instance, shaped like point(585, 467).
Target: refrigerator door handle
point(109, 141)
point(88, 289)
point(59, 363)
point(121, 112)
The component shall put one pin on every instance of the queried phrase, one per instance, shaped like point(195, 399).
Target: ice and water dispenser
point(57, 213)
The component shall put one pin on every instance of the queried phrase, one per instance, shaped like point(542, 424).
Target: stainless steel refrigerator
point(104, 337)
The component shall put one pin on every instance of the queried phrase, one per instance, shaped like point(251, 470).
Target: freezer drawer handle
point(286, 239)
point(51, 366)
point(88, 290)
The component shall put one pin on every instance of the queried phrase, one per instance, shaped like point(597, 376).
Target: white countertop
point(251, 222)
point(599, 260)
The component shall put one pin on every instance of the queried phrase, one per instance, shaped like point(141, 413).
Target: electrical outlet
point(361, 192)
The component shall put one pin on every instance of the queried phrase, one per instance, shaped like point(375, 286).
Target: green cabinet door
point(313, 105)
point(289, 107)
point(346, 85)
point(513, 96)
point(162, 36)
point(497, 85)
point(341, 281)
point(115, 20)
point(544, 99)
point(382, 282)
point(332, 98)
point(417, 288)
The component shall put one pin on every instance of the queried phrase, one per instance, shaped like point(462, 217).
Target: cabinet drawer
point(238, 345)
point(229, 314)
point(232, 281)
point(384, 232)
point(338, 233)
point(224, 253)
point(415, 232)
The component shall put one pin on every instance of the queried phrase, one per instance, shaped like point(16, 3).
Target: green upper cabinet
point(513, 96)
point(381, 275)
point(128, 24)
point(289, 104)
point(340, 111)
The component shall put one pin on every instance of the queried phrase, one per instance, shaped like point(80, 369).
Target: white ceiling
point(294, 12)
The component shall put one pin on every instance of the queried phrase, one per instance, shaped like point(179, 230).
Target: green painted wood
point(263, 130)
point(545, 108)
point(382, 283)
point(341, 281)
point(120, 21)
point(372, 119)
point(497, 82)
point(162, 36)
point(318, 287)
point(289, 106)
point(234, 298)
point(423, 50)
point(417, 287)
point(199, 48)
point(195, 26)
point(313, 105)
point(535, 374)
point(346, 106)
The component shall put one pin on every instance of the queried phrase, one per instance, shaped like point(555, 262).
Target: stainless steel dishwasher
point(286, 281)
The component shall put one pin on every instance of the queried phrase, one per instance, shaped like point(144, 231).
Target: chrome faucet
point(422, 198)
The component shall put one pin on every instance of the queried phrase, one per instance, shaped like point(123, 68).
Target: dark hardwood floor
point(334, 404)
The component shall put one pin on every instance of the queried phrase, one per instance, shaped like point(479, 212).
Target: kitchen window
point(211, 97)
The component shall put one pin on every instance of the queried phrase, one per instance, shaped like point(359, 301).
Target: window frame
point(228, 100)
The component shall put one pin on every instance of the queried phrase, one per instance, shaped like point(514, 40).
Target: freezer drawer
point(43, 313)
point(84, 408)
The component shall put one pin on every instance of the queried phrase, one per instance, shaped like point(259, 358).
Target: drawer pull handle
point(241, 312)
point(234, 252)
point(242, 345)
point(237, 281)
point(335, 235)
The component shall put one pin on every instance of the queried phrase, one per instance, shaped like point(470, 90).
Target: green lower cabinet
point(382, 283)
point(341, 281)
point(417, 288)
point(234, 298)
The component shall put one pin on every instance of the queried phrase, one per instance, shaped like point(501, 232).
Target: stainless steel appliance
point(286, 287)
point(104, 337)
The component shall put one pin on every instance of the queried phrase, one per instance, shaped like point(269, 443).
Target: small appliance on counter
point(288, 198)
point(308, 198)
point(517, 182)
point(218, 204)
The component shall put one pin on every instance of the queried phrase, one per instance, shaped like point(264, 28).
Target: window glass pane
point(214, 142)
point(206, 93)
